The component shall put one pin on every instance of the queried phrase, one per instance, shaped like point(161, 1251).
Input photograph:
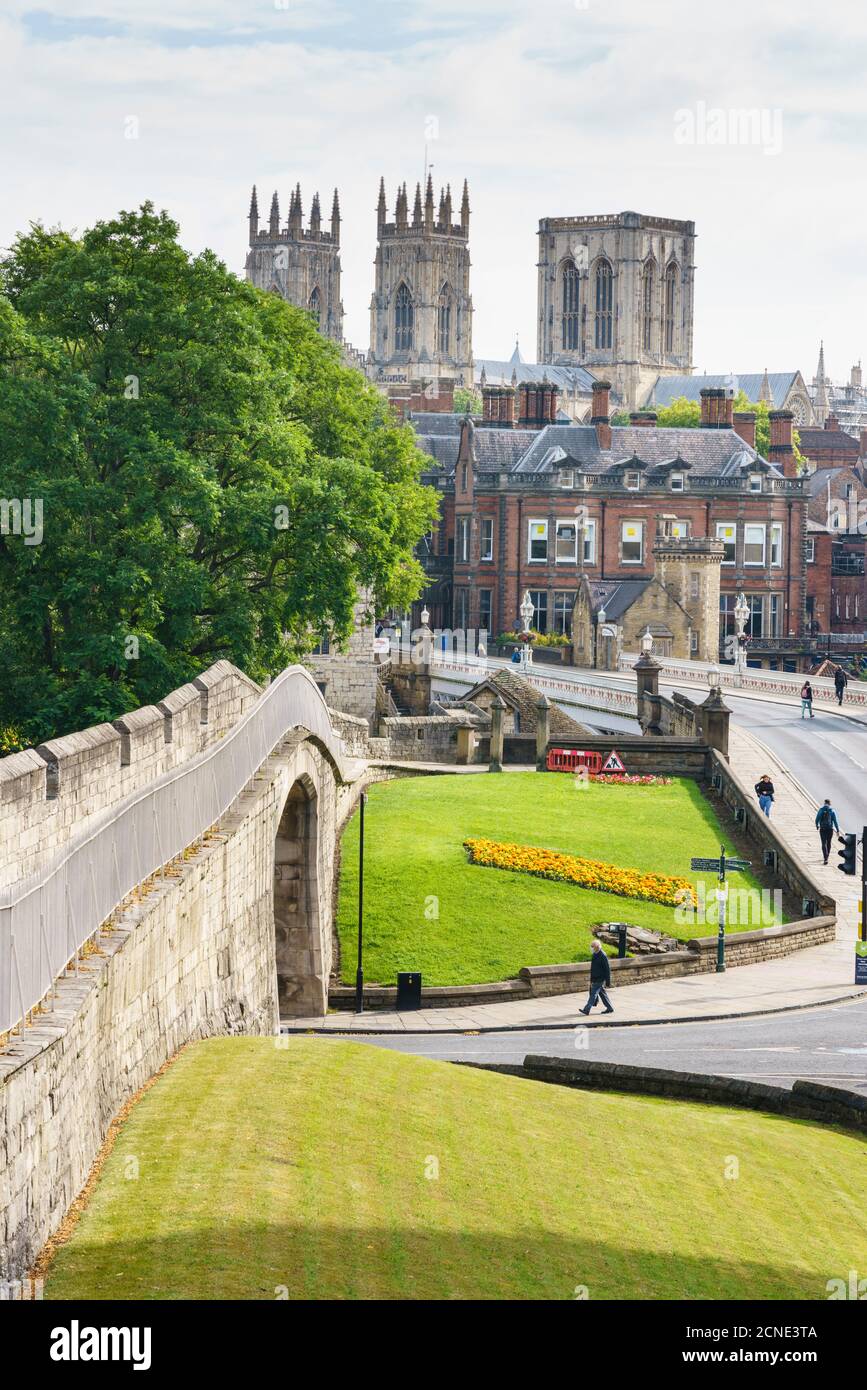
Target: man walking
point(841, 680)
point(600, 979)
point(806, 699)
point(826, 824)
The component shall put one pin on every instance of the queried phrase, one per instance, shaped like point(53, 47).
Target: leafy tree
point(685, 414)
point(467, 402)
point(214, 481)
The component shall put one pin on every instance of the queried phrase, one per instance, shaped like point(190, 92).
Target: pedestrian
point(841, 680)
point(826, 824)
point(765, 792)
point(600, 980)
point(806, 699)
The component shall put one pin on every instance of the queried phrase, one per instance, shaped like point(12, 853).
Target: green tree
point(214, 481)
point(467, 402)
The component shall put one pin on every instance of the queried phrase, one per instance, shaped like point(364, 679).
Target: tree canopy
point(213, 481)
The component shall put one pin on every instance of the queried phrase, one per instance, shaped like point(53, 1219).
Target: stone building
point(679, 604)
point(836, 555)
point(421, 309)
point(780, 390)
point(302, 264)
point(574, 384)
point(615, 295)
point(530, 504)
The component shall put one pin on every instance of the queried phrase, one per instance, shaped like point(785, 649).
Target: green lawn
point(427, 909)
point(305, 1169)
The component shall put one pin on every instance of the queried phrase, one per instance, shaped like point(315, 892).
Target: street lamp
point(646, 642)
point(425, 616)
point(742, 612)
point(526, 610)
point(713, 678)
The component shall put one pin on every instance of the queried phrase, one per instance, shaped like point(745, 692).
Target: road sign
point(613, 762)
point(715, 864)
point(861, 962)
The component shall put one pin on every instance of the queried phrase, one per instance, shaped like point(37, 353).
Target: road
point(827, 1044)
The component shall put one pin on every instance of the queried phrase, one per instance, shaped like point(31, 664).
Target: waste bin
point(408, 989)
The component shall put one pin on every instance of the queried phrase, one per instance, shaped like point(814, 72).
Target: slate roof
point(522, 696)
point(615, 595)
point(498, 372)
point(667, 388)
point(821, 440)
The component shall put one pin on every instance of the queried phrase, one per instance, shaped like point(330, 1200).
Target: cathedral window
point(571, 319)
point(670, 306)
point(647, 307)
point(604, 301)
point(403, 320)
point(444, 321)
point(315, 305)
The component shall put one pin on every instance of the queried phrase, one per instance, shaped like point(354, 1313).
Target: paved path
point(819, 975)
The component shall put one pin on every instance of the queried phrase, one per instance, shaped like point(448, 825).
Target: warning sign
point(613, 763)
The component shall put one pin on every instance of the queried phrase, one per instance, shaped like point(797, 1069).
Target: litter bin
point(621, 941)
point(408, 989)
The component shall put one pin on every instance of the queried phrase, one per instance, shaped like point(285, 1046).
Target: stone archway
point(301, 984)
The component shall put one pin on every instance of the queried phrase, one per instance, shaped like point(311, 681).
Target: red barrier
point(571, 759)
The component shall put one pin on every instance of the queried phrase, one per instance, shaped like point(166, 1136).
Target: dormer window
point(632, 480)
point(677, 482)
point(755, 482)
point(567, 477)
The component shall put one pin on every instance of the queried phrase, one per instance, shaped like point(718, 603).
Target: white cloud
point(552, 110)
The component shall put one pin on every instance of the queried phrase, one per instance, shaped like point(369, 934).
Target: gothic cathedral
point(616, 296)
point(300, 263)
point(421, 310)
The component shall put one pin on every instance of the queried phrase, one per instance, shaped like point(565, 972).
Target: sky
point(747, 118)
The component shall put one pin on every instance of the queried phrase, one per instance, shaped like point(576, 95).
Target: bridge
point(162, 878)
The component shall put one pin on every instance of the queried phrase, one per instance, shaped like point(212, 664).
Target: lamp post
point(713, 677)
point(359, 973)
point(646, 642)
point(526, 610)
point(742, 612)
point(601, 615)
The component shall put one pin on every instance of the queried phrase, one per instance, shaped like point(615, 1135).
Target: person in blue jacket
point(826, 824)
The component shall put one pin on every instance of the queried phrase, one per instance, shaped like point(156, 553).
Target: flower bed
point(586, 873)
point(628, 779)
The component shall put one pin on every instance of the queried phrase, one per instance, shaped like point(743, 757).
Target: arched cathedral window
point(670, 306)
point(403, 319)
point(315, 305)
point(571, 291)
point(444, 321)
point(604, 300)
point(647, 287)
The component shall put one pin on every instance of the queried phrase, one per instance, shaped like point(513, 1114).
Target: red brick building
point(831, 446)
point(528, 504)
point(836, 552)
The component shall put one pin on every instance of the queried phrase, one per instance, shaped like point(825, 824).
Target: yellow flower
point(587, 873)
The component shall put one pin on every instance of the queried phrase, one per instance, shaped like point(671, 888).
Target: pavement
point(817, 976)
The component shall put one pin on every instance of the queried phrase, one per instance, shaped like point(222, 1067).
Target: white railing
point(587, 694)
point(46, 920)
point(767, 682)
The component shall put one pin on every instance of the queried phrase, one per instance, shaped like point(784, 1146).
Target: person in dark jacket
point(826, 824)
point(600, 979)
point(806, 699)
point(765, 793)
point(841, 680)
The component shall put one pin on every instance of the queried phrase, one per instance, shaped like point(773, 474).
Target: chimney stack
point(831, 422)
point(744, 424)
point(599, 416)
point(781, 451)
point(498, 407)
point(643, 419)
point(537, 405)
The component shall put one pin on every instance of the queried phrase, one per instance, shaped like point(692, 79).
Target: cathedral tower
point(616, 296)
point(300, 263)
point(421, 310)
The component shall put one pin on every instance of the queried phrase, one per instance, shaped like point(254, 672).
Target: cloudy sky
point(548, 107)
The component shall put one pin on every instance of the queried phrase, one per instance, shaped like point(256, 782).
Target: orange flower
point(586, 873)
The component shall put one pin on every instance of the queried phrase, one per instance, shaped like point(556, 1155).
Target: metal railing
point(46, 920)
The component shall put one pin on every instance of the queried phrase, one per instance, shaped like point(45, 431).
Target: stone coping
point(537, 981)
point(810, 1100)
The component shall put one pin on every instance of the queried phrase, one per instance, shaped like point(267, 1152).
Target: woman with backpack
point(765, 793)
point(806, 699)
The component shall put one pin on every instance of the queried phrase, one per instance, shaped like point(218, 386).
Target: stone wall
point(807, 1100)
point(347, 684)
point(727, 788)
point(205, 950)
point(50, 792)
